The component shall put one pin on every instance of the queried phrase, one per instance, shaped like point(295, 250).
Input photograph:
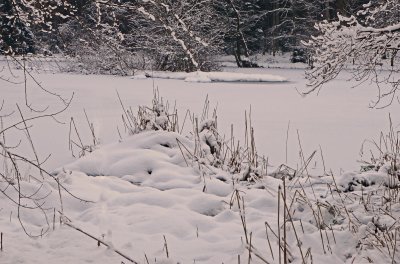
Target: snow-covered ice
point(338, 118)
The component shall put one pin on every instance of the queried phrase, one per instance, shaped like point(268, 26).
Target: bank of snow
point(153, 204)
point(215, 76)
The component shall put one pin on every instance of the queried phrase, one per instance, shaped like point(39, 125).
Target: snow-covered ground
point(153, 203)
point(338, 119)
point(146, 200)
point(279, 61)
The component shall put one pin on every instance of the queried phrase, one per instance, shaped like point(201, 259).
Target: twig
point(100, 241)
point(166, 246)
point(279, 225)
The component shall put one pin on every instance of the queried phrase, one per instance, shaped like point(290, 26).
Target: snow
point(336, 119)
point(267, 61)
point(144, 12)
point(133, 210)
point(141, 190)
point(217, 76)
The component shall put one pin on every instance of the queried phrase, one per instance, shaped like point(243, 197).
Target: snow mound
point(137, 158)
point(217, 77)
point(198, 77)
point(139, 77)
point(149, 201)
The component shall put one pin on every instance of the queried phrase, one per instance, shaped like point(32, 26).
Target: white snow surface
point(141, 190)
point(337, 118)
point(217, 76)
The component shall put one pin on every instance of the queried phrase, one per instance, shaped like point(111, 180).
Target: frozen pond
point(338, 119)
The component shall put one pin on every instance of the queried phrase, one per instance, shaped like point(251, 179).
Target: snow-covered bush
point(384, 160)
point(156, 117)
point(241, 160)
point(211, 149)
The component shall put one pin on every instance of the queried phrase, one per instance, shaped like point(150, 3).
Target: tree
point(239, 24)
point(290, 22)
point(287, 23)
point(369, 40)
point(20, 19)
point(189, 31)
point(175, 35)
point(15, 35)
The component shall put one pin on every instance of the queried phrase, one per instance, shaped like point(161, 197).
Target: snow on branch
point(19, 18)
point(185, 28)
point(144, 12)
point(367, 43)
point(190, 38)
point(172, 32)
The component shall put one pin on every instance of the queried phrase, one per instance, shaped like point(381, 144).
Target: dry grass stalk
point(166, 246)
point(68, 223)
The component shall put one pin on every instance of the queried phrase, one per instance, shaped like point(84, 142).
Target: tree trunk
point(327, 10)
point(275, 23)
point(341, 7)
point(241, 44)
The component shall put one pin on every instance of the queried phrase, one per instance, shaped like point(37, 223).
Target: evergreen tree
point(15, 36)
point(23, 21)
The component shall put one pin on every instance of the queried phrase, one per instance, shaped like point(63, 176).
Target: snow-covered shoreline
point(215, 76)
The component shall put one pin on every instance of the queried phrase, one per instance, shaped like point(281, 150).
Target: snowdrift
point(158, 196)
point(215, 76)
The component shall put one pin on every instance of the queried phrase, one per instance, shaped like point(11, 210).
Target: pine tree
point(15, 36)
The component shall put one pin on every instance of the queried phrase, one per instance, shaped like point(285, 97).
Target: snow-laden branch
point(172, 33)
point(177, 35)
point(169, 11)
point(19, 17)
point(367, 43)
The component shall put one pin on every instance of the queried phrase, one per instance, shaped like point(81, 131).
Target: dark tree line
point(162, 34)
